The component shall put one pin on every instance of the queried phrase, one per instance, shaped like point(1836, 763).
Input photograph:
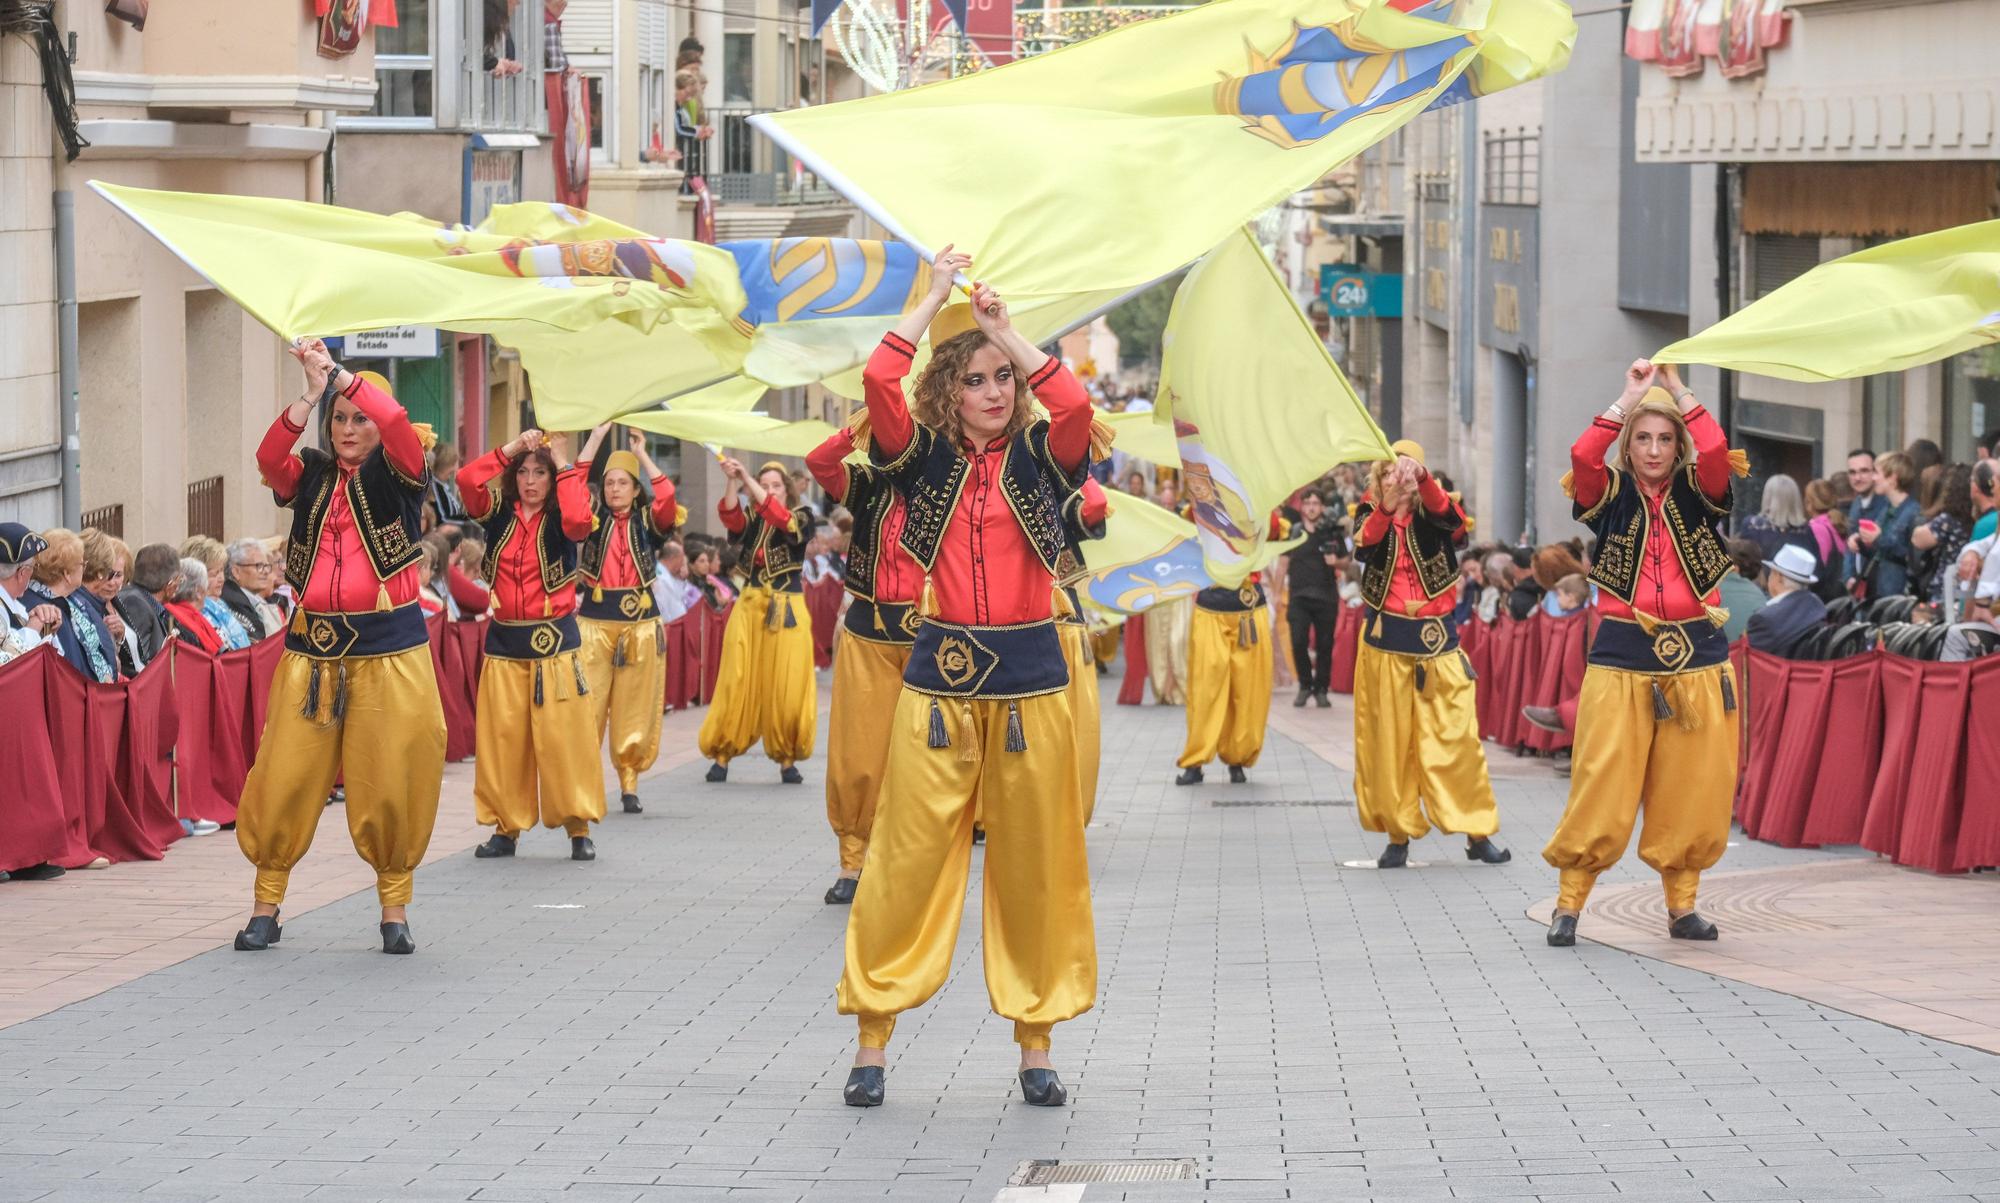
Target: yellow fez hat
point(771, 465)
point(378, 380)
point(623, 461)
point(951, 321)
point(1411, 448)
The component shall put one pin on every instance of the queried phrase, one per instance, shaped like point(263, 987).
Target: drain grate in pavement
point(1056, 1173)
point(1231, 802)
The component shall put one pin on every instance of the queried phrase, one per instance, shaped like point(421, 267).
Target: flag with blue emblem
point(1124, 158)
point(1148, 555)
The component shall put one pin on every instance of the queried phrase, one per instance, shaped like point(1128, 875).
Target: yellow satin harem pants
point(536, 760)
point(766, 689)
point(628, 691)
point(1229, 687)
point(1040, 942)
point(1682, 770)
point(867, 681)
point(1418, 762)
point(1083, 710)
point(389, 748)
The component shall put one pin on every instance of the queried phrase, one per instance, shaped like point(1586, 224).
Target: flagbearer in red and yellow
point(536, 728)
point(355, 693)
point(874, 645)
point(624, 645)
point(1229, 676)
point(983, 714)
point(1418, 763)
point(1657, 721)
point(766, 688)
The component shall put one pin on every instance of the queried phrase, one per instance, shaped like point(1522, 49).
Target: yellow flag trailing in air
point(1141, 436)
point(1116, 161)
point(1899, 305)
point(1148, 555)
point(740, 431)
point(1251, 427)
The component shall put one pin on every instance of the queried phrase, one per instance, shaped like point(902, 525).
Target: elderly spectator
point(186, 607)
point(1794, 611)
point(1947, 529)
point(1498, 572)
point(673, 593)
point(1780, 520)
point(214, 558)
point(1826, 521)
point(84, 638)
point(23, 625)
point(156, 571)
point(250, 572)
point(1976, 580)
point(1741, 595)
point(1884, 544)
point(104, 563)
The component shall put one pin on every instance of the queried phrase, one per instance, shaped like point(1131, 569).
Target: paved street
point(659, 1025)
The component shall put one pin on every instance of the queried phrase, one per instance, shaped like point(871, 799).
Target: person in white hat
point(1794, 610)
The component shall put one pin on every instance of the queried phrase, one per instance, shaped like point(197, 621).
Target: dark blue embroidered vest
point(1621, 522)
point(387, 507)
point(930, 474)
point(556, 553)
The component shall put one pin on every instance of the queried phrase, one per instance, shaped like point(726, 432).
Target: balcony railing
point(743, 167)
point(204, 499)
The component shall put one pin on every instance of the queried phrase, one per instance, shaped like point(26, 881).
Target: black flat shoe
point(631, 804)
point(581, 848)
point(1299, 702)
point(259, 935)
point(497, 845)
point(864, 1086)
point(1692, 926)
point(1562, 931)
point(1322, 701)
point(1042, 1088)
point(1189, 776)
point(1237, 776)
point(396, 939)
point(717, 772)
point(42, 872)
point(792, 776)
point(1483, 849)
point(842, 892)
point(978, 835)
point(1395, 856)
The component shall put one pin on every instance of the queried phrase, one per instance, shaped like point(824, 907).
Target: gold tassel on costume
point(968, 734)
point(1017, 740)
point(858, 427)
point(382, 598)
point(940, 738)
point(877, 608)
point(1716, 615)
point(927, 602)
point(1102, 433)
point(298, 620)
point(597, 593)
point(1739, 462)
point(425, 434)
point(1059, 606)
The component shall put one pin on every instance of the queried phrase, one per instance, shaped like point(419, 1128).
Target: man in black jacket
point(1313, 596)
point(156, 569)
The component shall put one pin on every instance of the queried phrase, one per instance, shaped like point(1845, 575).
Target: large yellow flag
point(1147, 556)
point(742, 431)
point(1258, 406)
point(1113, 162)
point(1899, 305)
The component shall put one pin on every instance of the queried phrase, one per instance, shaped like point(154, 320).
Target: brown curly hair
point(934, 401)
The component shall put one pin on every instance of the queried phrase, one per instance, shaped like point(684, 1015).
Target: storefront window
point(1971, 402)
point(739, 75)
point(403, 66)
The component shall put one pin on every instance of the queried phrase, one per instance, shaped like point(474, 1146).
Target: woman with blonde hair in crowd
point(215, 558)
point(84, 638)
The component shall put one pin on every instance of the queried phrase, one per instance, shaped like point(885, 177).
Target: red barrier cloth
point(229, 758)
point(1575, 657)
point(32, 821)
point(683, 660)
point(1499, 680)
point(823, 605)
point(83, 812)
point(1902, 684)
point(1979, 824)
point(713, 623)
point(1132, 690)
point(194, 772)
point(1346, 647)
point(152, 727)
point(1542, 677)
point(1765, 683)
point(1850, 751)
point(1800, 723)
point(1934, 791)
point(448, 662)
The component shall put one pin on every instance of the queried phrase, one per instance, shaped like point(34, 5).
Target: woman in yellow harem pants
point(983, 712)
point(623, 642)
point(537, 758)
point(1229, 681)
point(1418, 762)
point(766, 688)
point(1657, 722)
point(354, 694)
